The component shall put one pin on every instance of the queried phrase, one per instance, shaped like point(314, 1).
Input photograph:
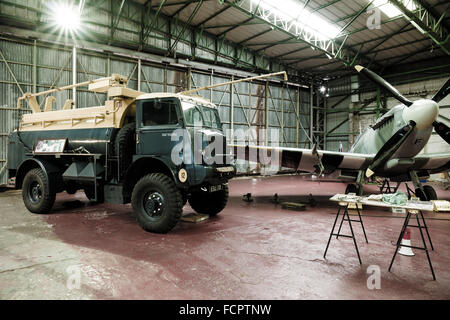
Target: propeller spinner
point(423, 112)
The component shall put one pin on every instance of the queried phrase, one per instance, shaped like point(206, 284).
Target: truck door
point(157, 119)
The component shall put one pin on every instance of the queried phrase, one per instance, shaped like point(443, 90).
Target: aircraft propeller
point(441, 128)
point(384, 84)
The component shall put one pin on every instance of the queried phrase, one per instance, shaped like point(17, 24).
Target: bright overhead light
point(390, 10)
point(299, 17)
point(66, 16)
point(323, 89)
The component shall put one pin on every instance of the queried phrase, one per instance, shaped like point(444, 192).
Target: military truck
point(121, 152)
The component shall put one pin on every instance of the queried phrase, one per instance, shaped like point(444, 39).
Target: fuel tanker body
point(147, 149)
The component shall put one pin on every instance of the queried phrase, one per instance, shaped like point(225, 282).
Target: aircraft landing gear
point(424, 193)
point(358, 187)
point(351, 188)
point(427, 194)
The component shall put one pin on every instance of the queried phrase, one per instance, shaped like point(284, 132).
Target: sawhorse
point(346, 217)
point(420, 227)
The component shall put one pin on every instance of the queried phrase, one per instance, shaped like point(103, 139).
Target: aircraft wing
point(306, 160)
point(432, 162)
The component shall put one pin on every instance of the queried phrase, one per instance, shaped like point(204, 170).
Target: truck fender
point(143, 166)
point(32, 163)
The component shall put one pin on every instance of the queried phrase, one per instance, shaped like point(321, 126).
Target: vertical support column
point(189, 76)
point(311, 115)
point(74, 75)
point(165, 78)
point(266, 108)
point(249, 112)
point(139, 75)
point(297, 110)
point(211, 82)
point(317, 133)
point(232, 110)
point(282, 116)
point(325, 123)
point(108, 65)
point(34, 66)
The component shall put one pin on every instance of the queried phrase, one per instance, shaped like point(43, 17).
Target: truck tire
point(71, 188)
point(37, 194)
point(125, 146)
point(209, 203)
point(184, 198)
point(157, 203)
point(90, 194)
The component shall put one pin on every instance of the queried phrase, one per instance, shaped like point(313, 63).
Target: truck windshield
point(201, 115)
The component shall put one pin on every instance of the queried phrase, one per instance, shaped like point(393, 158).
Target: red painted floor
point(251, 250)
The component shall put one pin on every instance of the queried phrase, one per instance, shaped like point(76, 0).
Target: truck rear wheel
point(125, 145)
point(209, 202)
point(90, 194)
point(36, 192)
point(157, 203)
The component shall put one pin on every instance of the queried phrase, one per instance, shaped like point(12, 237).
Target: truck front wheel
point(157, 203)
point(36, 192)
point(209, 202)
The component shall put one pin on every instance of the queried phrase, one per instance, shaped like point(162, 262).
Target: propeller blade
point(389, 148)
point(443, 130)
point(384, 84)
point(443, 92)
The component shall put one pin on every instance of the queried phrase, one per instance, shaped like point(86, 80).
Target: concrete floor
point(250, 251)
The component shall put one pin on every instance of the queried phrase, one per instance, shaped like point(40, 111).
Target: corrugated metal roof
point(396, 37)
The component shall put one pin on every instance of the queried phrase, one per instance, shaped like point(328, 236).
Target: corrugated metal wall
point(337, 124)
point(27, 66)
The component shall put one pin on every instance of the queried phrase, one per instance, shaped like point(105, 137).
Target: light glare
point(301, 17)
point(67, 17)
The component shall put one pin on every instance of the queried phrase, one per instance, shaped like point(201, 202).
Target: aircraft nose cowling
point(422, 112)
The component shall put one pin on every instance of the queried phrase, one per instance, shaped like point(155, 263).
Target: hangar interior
point(253, 249)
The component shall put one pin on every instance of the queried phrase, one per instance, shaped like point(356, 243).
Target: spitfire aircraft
point(388, 149)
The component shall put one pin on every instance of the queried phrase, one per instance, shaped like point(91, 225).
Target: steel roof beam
point(324, 5)
point(386, 38)
point(356, 16)
point(235, 26)
point(181, 9)
point(255, 36)
point(425, 22)
point(115, 22)
point(146, 33)
point(219, 26)
point(434, 12)
point(201, 23)
point(330, 47)
point(177, 3)
point(194, 12)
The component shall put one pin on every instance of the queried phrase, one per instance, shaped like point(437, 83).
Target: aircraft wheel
point(428, 193)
